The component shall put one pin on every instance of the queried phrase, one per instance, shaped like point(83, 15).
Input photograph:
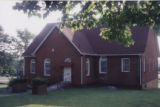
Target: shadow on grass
point(3, 83)
point(86, 97)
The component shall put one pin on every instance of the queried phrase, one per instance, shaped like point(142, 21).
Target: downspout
point(81, 70)
point(140, 70)
point(24, 67)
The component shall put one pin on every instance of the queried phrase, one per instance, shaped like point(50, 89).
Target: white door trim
point(67, 74)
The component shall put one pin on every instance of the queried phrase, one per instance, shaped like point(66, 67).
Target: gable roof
point(88, 42)
point(36, 42)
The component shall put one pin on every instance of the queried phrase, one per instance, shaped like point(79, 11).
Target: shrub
point(38, 81)
point(17, 80)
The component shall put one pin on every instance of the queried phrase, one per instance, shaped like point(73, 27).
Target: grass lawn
point(3, 84)
point(86, 97)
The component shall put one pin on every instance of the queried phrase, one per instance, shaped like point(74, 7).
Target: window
point(47, 67)
point(149, 64)
point(33, 66)
point(153, 65)
point(125, 64)
point(87, 67)
point(103, 65)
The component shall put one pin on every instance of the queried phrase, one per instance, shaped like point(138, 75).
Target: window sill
point(32, 73)
point(47, 75)
point(125, 71)
point(102, 72)
point(87, 75)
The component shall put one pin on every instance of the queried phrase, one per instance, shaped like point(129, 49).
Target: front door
point(67, 74)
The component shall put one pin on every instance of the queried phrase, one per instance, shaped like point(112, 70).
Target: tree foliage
point(6, 59)
point(6, 64)
point(24, 39)
point(5, 41)
point(114, 17)
point(11, 49)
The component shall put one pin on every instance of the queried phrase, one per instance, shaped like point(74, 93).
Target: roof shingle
point(89, 41)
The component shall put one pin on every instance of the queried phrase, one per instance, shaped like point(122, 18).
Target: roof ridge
point(90, 43)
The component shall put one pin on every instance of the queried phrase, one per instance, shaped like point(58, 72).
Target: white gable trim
point(34, 52)
point(82, 53)
point(73, 44)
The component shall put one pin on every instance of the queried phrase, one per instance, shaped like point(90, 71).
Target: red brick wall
point(151, 61)
point(27, 74)
point(114, 76)
point(91, 79)
point(62, 49)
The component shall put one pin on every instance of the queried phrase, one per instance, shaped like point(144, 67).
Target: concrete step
point(58, 85)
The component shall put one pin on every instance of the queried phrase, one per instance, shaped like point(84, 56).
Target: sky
point(12, 20)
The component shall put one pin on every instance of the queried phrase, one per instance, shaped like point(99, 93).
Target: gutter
point(29, 56)
point(81, 70)
point(112, 54)
point(81, 53)
point(102, 54)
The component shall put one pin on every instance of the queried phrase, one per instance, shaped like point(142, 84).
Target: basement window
point(103, 65)
point(47, 67)
point(87, 67)
point(125, 64)
point(33, 66)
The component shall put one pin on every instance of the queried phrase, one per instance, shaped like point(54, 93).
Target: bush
point(38, 81)
point(17, 80)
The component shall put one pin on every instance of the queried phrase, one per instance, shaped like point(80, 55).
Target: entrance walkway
point(13, 94)
point(7, 92)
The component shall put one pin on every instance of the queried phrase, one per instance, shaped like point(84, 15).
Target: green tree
point(1, 70)
point(5, 41)
point(9, 60)
point(114, 17)
point(22, 41)
point(12, 70)
point(24, 38)
point(6, 63)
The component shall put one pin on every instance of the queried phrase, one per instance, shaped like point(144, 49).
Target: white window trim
point(32, 61)
point(88, 61)
point(102, 59)
point(46, 61)
point(122, 64)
